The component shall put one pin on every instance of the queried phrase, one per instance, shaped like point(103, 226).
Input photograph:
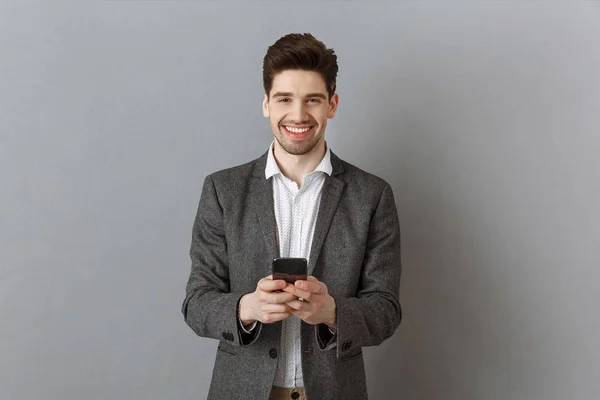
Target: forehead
point(298, 82)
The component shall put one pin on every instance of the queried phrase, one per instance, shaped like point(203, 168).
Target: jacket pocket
point(226, 349)
point(352, 356)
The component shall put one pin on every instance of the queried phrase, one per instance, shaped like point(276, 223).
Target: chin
point(298, 149)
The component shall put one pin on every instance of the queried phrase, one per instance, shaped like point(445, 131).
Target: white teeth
point(297, 130)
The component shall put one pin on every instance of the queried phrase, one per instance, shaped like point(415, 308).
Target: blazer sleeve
point(374, 314)
point(209, 307)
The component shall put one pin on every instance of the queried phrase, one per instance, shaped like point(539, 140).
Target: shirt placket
point(289, 326)
point(297, 233)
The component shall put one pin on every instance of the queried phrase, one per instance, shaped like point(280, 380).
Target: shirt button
point(273, 353)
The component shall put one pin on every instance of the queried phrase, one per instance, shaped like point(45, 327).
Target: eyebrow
point(309, 95)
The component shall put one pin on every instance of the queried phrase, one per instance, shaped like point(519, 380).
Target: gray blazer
point(355, 252)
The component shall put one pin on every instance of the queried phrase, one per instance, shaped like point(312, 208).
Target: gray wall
point(484, 117)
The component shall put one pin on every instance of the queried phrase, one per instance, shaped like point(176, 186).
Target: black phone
point(290, 269)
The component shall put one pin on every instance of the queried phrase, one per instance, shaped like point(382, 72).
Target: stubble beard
point(298, 149)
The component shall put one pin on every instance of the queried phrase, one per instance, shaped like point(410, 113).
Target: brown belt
point(279, 393)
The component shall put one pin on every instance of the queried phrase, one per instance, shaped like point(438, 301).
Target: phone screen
point(289, 269)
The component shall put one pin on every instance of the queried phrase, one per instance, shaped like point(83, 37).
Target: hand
point(266, 304)
point(317, 306)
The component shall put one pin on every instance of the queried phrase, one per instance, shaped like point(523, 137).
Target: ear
point(265, 107)
point(333, 105)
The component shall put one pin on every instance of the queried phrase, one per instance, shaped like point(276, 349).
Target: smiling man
point(304, 340)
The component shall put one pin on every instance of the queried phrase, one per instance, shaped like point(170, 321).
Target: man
point(302, 340)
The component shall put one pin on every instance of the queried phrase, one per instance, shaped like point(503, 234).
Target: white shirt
point(296, 215)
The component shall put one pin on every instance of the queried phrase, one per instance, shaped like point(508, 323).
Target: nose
point(298, 113)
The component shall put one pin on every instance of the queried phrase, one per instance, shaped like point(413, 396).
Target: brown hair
point(300, 51)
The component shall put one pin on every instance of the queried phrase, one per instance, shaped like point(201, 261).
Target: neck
point(295, 167)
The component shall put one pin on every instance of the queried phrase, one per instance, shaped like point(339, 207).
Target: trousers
point(279, 393)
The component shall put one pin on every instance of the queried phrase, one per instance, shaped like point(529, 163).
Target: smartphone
point(289, 269)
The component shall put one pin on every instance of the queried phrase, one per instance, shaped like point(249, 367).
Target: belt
point(280, 393)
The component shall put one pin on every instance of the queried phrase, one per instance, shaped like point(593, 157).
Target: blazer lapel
point(263, 207)
point(332, 192)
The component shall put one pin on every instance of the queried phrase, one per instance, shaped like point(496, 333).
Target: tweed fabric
point(355, 251)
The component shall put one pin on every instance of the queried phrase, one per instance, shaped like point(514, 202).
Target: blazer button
point(273, 353)
point(295, 395)
point(227, 336)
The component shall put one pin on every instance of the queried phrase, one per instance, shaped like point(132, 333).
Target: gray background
point(484, 117)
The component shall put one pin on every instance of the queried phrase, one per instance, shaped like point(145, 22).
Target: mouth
point(298, 131)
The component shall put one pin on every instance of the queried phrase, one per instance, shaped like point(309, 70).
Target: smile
point(297, 131)
point(294, 129)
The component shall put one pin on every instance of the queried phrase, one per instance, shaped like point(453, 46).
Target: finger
point(303, 315)
point(269, 285)
point(298, 292)
point(279, 298)
point(310, 286)
point(275, 308)
point(274, 317)
point(270, 277)
point(298, 305)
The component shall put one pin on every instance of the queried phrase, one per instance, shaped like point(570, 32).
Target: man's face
point(298, 107)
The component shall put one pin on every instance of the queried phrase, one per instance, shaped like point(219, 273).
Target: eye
point(284, 100)
point(314, 100)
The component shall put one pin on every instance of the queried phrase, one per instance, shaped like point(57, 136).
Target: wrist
point(245, 312)
point(331, 322)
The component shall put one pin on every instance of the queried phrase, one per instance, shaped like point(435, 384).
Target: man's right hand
point(266, 304)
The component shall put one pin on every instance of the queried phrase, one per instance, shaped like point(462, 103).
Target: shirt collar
point(272, 168)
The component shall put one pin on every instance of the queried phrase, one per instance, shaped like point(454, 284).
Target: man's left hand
point(317, 306)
